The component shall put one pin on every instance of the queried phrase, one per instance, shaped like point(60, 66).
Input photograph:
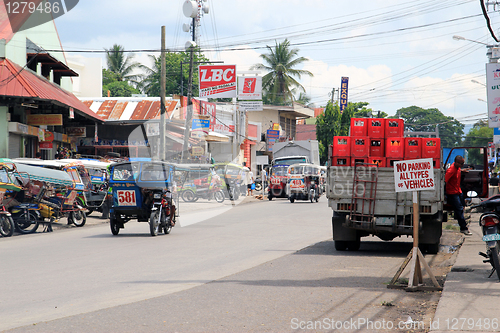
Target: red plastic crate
point(341, 146)
point(377, 147)
point(341, 161)
point(389, 161)
point(376, 128)
point(359, 126)
point(380, 161)
point(431, 148)
point(394, 148)
point(413, 148)
point(355, 160)
point(360, 146)
point(394, 128)
point(436, 163)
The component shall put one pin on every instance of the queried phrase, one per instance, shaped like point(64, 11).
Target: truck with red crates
point(360, 182)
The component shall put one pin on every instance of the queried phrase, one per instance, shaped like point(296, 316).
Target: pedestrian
point(494, 180)
point(249, 181)
point(454, 192)
point(264, 178)
point(38, 155)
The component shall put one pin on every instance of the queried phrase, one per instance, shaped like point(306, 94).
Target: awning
point(23, 82)
point(216, 137)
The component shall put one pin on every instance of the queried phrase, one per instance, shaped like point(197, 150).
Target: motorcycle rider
point(454, 192)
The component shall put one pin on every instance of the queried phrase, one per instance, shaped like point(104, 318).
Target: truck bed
point(340, 188)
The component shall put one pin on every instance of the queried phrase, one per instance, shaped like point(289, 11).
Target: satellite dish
point(190, 44)
point(186, 27)
point(190, 8)
point(206, 7)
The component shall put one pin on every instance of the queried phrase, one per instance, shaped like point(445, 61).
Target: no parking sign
point(414, 175)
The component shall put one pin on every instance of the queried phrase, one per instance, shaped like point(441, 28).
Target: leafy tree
point(304, 100)
point(369, 113)
point(119, 89)
point(479, 136)
point(174, 77)
point(333, 123)
point(418, 119)
point(122, 65)
point(280, 64)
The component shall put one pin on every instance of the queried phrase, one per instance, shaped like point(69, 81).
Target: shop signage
point(77, 131)
point(217, 81)
point(250, 87)
point(251, 106)
point(48, 137)
point(344, 85)
point(197, 151)
point(45, 119)
point(71, 113)
point(46, 145)
point(273, 134)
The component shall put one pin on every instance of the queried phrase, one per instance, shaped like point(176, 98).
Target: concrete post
point(4, 132)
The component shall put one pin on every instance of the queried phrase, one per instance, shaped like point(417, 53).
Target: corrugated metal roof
point(129, 108)
point(22, 82)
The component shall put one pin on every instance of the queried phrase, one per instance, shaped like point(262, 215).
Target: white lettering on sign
point(414, 175)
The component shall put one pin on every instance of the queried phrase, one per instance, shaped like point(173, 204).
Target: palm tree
point(279, 81)
point(122, 65)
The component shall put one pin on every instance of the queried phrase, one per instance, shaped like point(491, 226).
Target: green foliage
point(119, 89)
point(122, 65)
point(333, 123)
point(109, 76)
point(418, 119)
point(278, 83)
point(479, 136)
point(174, 77)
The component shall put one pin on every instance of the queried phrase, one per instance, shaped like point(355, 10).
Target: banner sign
point(344, 83)
point(493, 93)
point(217, 81)
point(273, 134)
point(46, 145)
point(250, 87)
point(251, 106)
point(414, 175)
point(45, 119)
point(205, 109)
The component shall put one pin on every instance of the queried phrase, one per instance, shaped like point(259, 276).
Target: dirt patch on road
point(419, 307)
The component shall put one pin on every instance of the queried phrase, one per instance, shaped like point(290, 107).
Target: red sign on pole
point(217, 81)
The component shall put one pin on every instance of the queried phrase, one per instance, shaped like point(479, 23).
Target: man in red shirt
point(454, 192)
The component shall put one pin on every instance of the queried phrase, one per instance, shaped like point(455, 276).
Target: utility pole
point(162, 97)
point(332, 94)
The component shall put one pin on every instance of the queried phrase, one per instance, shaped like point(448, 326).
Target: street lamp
point(474, 81)
point(493, 52)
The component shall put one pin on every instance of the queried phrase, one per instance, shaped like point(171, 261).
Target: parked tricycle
point(303, 182)
point(277, 181)
point(144, 191)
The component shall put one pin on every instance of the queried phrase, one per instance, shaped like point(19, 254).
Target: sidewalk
point(469, 301)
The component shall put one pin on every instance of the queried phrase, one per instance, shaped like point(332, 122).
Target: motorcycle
point(490, 225)
point(162, 213)
point(6, 223)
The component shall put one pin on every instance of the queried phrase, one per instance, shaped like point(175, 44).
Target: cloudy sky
point(395, 53)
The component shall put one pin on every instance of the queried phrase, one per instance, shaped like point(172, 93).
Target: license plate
point(387, 221)
point(491, 237)
point(157, 195)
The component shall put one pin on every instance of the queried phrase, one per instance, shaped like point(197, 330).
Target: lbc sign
point(217, 81)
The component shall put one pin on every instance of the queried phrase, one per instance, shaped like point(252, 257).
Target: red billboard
point(217, 81)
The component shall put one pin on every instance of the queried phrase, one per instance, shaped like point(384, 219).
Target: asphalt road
point(79, 270)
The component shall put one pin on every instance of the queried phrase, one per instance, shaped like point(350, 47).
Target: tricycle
point(144, 191)
point(303, 182)
point(277, 181)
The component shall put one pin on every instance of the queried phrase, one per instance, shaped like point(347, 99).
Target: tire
point(495, 260)
point(354, 245)
point(270, 196)
point(276, 192)
point(105, 210)
point(341, 245)
point(429, 248)
point(154, 223)
point(26, 222)
point(115, 229)
point(189, 196)
point(168, 226)
point(311, 196)
point(292, 199)
point(78, 218)
point(219, 196)
point(89, 211)
point(7, 226)
point(258, 187)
